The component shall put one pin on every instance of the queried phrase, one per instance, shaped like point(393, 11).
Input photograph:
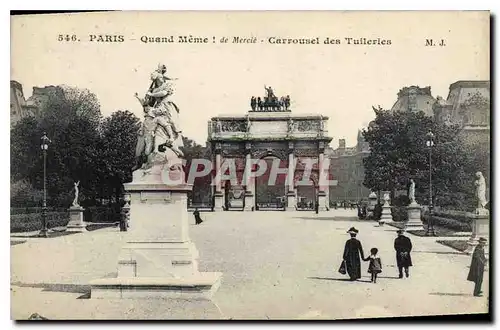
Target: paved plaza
point(275, 265)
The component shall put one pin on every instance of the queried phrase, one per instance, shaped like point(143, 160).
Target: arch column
point(291, 195)
point(249, 180)
point(218, 195)
point(323, 204)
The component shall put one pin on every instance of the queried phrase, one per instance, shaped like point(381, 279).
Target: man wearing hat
point(402, 245)
point(476, 271)
point(352, 251)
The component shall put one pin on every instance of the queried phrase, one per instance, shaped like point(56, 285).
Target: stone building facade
point(346, 166)
point(468, 106)
point(268, 135)
point(415, 98)
point(21, 107)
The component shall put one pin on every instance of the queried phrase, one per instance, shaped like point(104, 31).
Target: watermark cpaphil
point(271, 171)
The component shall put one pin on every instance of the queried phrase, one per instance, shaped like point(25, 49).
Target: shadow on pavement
point(51, 234)
point(16, 242)
point(440, 252)
point(56, 287)
point(336, 279)
point(339, 218)
point(97, 226)
point(451, 294)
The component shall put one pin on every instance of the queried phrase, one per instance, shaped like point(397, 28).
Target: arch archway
point(271, 195)
point(306, 190)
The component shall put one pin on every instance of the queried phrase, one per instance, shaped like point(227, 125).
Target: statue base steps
point(414, 217)
point(76, 224)
point(480, 228)
point(199, 286)
point(386, 215)
point(159, 260)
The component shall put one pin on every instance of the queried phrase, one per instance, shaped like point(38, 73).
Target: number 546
point(67, 37)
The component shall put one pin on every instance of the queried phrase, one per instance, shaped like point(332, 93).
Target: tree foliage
point(83, 147)
point(98, 152)
point(399, 152)
point(202, 185)
point(116, 151)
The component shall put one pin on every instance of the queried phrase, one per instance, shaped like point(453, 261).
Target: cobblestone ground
point(276, 265)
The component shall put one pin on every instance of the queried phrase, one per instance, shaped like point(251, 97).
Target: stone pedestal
point(249, 201)
point(218, 201)
point(291, 201)
point(159, 260)
point(414, 217)
point(76, 223)
point(372, 202)
point(480, 228)
point(386, 214)
point(322, 201)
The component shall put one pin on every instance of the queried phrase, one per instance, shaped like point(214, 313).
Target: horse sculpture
point(159, 138)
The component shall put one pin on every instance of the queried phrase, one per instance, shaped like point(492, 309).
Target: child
point(375, 265)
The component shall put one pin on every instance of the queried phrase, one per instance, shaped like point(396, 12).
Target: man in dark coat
point(402, 245)
point(476, 271)
point(197, 217)
point(352, 251)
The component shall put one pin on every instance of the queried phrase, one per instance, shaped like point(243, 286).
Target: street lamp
point(44, 146)
point(430, 225)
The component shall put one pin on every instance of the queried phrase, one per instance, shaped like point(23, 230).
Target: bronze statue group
point(270, 102)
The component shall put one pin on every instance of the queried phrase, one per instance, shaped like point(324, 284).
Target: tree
point(63, 104)
point(24, 148)
point(398, 152)
point(70, 117)
point(116, 152)
point(201, 185)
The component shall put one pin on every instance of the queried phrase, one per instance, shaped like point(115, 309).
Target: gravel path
point(276, 265)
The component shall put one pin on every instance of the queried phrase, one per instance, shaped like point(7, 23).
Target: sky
point(340, 81)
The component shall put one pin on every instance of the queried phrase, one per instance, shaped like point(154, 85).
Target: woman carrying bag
point(351, 263)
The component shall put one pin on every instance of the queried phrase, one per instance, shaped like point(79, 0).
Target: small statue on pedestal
point(411, 193)
point(480, 184)
point(75, 200)
point(387, 198)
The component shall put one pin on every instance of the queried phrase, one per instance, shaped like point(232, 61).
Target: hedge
point(399, 213)
point(449, 222)
point(102, 214)
point(457, 216)
point(33, 221)
point(37, 209)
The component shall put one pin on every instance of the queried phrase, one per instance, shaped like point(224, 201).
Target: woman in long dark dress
point(352, 252)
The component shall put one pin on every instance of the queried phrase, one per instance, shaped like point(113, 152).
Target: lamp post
point(430, 225)
point(44, 146)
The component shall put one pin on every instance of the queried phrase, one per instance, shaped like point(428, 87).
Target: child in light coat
point(375, 266)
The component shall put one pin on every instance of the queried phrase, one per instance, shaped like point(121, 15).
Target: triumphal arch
point(269, 132)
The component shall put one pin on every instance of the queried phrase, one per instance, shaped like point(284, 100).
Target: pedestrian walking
point(197, 217)
point(402, 245)
point(351, 257)
point(477, 264)
point(375, 265)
